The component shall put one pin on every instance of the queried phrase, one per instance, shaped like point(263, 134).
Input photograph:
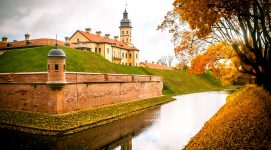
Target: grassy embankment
point(35, 60)
point(244, 122)
point(68, 123)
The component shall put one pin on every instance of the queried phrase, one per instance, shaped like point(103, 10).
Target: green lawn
point(35, 60)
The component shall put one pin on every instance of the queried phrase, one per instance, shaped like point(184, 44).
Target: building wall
point(82, 91)
point(108, 52)
point(91, 45)
point(79, 36)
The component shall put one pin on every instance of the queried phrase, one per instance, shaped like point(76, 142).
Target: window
point(130, 55)
point(99, 50)
point(126, 64)
point(127, 32)
point(64, 67)
point(48, 68)
point(107, 50)
point(56, 67)
point(122, 32)
point(95, 49)
point(136, 55)
point(126, 40)
point(130, 64)
point(122, 54)
point(126, 55)
point(78, 40)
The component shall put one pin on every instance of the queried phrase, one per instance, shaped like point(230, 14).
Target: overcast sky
point(46, 18)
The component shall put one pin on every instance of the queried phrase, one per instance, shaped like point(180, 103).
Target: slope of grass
point(244, 122)
point(35, 59)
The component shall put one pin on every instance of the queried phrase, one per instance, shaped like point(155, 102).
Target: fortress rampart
point(31, 91)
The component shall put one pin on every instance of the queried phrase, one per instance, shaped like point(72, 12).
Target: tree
point(166, 60)
point(169, 60)
point(163, 60)
point(243, 24)
point(219, 58)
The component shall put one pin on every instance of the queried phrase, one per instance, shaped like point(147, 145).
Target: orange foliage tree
point(243, 24)
point(219, 58)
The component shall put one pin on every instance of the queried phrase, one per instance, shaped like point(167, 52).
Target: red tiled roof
point(34, 42)
point(156, 66)
point(101, 39)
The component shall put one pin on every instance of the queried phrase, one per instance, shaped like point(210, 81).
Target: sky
point(46, 18)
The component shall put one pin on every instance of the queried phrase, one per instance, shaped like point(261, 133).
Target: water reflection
point(107, 136)
point(167, 127)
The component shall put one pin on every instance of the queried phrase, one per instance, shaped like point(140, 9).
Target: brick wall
point(29, 91)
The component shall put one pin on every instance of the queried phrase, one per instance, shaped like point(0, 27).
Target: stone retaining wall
point(29, 91)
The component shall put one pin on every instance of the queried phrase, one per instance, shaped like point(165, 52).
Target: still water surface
point(166, 127)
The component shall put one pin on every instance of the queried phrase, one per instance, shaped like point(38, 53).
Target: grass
point(47, 124)
point(244, 122)
point(35, 60)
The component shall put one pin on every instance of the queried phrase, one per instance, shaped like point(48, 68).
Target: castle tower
point(125, 29)
point(56, 61)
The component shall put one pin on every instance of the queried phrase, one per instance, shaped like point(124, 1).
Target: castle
point(119, 51)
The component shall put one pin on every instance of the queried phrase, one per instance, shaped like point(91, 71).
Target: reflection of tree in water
point(108, 136)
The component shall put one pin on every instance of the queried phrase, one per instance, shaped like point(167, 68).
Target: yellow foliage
point(221, 59)
point(242, 123)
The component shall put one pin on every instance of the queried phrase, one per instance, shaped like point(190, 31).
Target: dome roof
point(56, 53)
point(125, 22)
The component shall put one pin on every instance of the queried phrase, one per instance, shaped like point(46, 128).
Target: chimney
point(88, 30)
point(98, 33)
point(4, 39)
point(67, 39)
point(107, 35)
point(146, 61)
point(27, 36)
point(116, 37)
point(9, 44)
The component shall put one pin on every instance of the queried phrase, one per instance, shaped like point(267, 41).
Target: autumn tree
point(243, 24)
point(219, 58)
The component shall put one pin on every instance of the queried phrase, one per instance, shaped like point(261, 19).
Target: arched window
point(56, 66)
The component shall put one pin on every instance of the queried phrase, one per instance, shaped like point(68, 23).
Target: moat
point(169, 126)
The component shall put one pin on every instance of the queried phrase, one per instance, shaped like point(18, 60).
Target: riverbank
point(242, 123)
point(45, 124)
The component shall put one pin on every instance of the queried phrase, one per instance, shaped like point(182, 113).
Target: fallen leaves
point(242, 123)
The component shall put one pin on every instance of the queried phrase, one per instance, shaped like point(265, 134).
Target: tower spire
point(125, 28)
